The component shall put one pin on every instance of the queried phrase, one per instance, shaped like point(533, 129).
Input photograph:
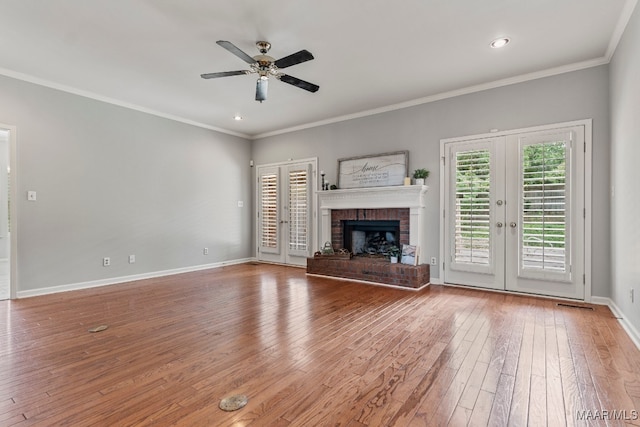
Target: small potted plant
point(393, 253)
point(419, 175)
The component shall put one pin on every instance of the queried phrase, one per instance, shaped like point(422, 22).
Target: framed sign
point(379, 170)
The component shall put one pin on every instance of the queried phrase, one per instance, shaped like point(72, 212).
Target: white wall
point(625, 172)
point(566, 97)
point(112, 182)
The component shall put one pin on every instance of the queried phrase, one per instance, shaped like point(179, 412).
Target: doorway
point(285, 207)
point(515, 211)
point(7, 217)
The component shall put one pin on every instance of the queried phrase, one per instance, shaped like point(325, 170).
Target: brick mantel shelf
point(409, 196)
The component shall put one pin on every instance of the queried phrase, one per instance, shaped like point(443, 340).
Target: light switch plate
point(31, 196)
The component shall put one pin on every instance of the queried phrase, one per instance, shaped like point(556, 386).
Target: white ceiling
point(370, 55)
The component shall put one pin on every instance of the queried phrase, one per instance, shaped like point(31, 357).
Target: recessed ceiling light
point(501, 42)
point(237, 117)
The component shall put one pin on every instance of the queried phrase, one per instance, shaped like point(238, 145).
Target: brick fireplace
point(402, 204)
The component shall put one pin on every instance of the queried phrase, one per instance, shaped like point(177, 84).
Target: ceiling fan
point(265, 66)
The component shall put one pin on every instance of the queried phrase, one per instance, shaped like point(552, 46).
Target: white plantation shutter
point(268, 217)
point(472, 243)
point(299, 210)
point(545, 197)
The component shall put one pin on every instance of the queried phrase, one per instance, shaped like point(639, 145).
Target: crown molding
point(52, 85)
point(444, 95)
point(618, 31)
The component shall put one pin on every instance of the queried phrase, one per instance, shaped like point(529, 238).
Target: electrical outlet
point(106, 262)
point(205, 251)
point(434, 261)
point(132, 259)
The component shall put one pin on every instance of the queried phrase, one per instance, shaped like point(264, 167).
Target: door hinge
point(584, 279)
point(443, 211)
point(444, 160)
point(443, 266)
point(585, 146)
point(584, 212)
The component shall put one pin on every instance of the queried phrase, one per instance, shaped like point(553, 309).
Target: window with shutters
point(269, 211)
point(472, 207)
point(298, 209)
point(544, 206)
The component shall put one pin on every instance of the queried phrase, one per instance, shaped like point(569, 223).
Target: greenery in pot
point(393, 251)
point(420, 173)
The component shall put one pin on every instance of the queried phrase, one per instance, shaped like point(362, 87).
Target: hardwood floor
point(310, 351)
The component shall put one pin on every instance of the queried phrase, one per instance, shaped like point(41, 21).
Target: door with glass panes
point(514, 212)
point(284, 212)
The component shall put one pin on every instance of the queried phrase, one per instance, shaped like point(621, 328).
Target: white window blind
point(298, 209)
point(544, 202)
point(269, 211)
point(472, 243)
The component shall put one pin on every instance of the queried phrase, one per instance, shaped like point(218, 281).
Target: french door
point(284, 214)
point(514, 212)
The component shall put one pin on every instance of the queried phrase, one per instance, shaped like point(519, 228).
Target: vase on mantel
point(419, 181)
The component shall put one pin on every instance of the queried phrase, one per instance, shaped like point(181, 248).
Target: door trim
point(587, 123)
point(13, 211)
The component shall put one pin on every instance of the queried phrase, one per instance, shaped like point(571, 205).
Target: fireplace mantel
point(409, 196)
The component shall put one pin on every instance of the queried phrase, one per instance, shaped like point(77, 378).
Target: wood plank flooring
point(310, 351)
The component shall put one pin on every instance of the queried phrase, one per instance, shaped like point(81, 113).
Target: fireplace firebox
point(372, 237)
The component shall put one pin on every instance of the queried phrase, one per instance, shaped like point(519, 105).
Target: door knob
point(499, 202)
point(499, 224)
point(513, 225)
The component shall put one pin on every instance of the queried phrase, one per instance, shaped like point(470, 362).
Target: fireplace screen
point(370, 237)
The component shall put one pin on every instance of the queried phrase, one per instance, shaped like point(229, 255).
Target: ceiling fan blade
point(237, 52)
point(299, 83)
point(261, 89)
point(222, 74)
point(293, 59)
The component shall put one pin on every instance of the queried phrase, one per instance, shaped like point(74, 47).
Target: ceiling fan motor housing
point(263, 47)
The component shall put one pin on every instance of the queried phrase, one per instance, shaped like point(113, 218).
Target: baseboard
point(124, 279)
point(279, 263)
point(626, 325)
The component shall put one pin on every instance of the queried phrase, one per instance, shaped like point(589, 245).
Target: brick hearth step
point(376, 270)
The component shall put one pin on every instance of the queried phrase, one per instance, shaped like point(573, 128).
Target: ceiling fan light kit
point(266, 66)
